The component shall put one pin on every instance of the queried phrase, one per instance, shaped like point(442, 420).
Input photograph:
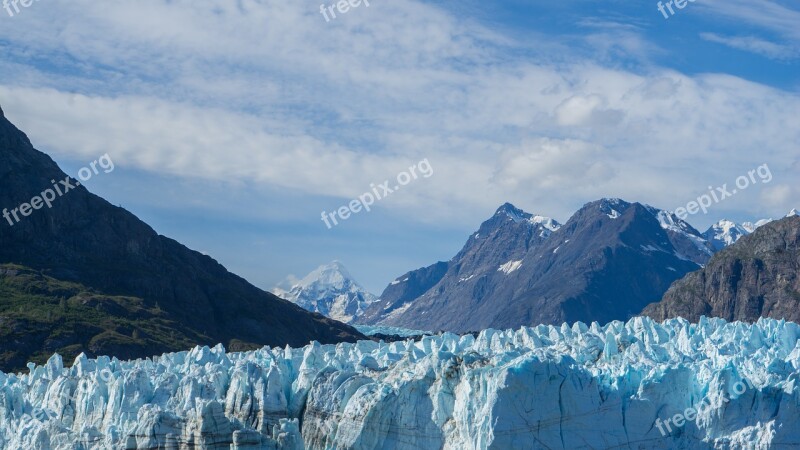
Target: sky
point(234, 124)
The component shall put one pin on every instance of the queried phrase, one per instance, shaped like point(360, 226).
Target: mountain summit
point(607, 262)
point(329, 290)
point(725, 233)
point(481, 267)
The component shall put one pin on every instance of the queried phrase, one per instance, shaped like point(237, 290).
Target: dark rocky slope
point(755, 277)
point(83, 239)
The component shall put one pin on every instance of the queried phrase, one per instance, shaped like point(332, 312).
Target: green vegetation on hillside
point(40, 315)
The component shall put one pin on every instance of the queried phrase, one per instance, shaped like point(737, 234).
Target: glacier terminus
point(545, 387)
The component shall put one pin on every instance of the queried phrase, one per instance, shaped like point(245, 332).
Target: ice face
point(624, 384)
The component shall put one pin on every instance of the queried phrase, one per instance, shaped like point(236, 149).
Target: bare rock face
point(756, 277)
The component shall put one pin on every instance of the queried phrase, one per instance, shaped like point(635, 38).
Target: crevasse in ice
point(542, 387)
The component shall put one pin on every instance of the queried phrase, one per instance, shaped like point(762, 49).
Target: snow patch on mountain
point(557, 387)
point(509, 267)
point(398, 311)
point(331, 291)
point(669, 221)
point(672, 223)
point(547, 224)
point(607, 206)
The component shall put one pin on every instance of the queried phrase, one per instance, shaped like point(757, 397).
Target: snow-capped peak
point(793, 213)
point(613, 201)
point(333, 274)
point(518, 215)
point(725, 233)
point(514, 213)
point(330, 290)
point(611, 207)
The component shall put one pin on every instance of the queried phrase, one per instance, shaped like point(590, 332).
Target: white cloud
point(587, 110)
point(548, 165)
point(268, 93)
point(778, 196)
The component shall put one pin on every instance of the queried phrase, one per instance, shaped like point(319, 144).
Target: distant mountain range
point(329, 290)
point(609, 261)
point(726, 232)
point(87, 276)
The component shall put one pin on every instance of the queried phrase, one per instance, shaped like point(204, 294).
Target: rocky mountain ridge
point(84, 240)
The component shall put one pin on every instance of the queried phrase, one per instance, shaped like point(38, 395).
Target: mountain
point(606, 263)
point(494, 249)
point(751, 227)
point(40, 315)
point(402, 292)
point(634, 385)
point(725, 233)
point(330, 291)
point(103, 249)
point(755, 277)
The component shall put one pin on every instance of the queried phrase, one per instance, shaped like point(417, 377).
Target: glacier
point(543, 387)
point(372, 330)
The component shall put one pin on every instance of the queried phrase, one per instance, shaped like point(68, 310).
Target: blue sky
point(233, 124)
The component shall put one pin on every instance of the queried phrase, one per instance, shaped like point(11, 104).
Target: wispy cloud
point(754, 45)
point(767, 14)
